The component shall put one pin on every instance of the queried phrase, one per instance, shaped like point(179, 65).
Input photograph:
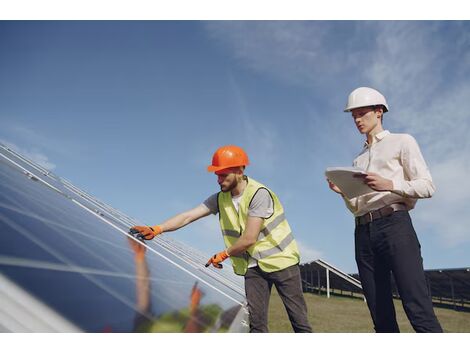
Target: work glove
point(218, 258)
point(145, 232)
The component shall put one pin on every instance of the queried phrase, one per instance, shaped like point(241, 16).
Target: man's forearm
point(176, 222)
point(240, 246)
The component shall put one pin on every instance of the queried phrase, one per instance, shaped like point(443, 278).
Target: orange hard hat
point(228, 156)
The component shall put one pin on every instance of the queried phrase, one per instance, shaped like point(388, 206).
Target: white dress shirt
point(396, 157)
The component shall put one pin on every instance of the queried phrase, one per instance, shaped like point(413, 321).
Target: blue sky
point(132, 112)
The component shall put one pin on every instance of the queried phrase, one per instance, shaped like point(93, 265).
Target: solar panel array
point(448, 287)
point(68, 264)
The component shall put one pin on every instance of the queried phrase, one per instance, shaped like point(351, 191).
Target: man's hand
point(218, 258)
point(333, 187)
point(376, 182)
point(145, 232)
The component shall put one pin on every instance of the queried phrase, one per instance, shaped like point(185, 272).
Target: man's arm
point(172, 224)
point(178, 221)
point(248, 238)
point(418, 181)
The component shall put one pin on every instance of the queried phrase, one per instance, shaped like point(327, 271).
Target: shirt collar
point(378, 137)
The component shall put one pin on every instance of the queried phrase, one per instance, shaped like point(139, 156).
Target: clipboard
point(343, 177)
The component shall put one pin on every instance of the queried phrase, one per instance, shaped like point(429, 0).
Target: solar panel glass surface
point(72, 253)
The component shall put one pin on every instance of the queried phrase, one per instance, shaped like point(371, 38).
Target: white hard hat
point(365, 96)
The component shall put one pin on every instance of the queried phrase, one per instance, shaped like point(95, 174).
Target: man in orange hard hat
point(257, 236)
point(385, 239)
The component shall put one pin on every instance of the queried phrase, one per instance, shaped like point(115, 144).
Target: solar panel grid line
point(41, 265)
point(119, 297)
point(57, 255)
point(125, 220)
point(183, 252)
point(161, 255)
point(187, 255)
point(83, 194)
point(44, 171)
point(36, 264)
point(220, 275)
point(217, 276)
point(61, 226)
point(99, 203)
point(116, 295)
point(190, 260)
point(201, 259)
point(27, 172)
point(25, 313)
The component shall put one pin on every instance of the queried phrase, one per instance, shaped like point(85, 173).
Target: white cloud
point(421, 67)
point(302, 52)
point(429, 99)
point(34, 138)
point(307, 253)
point(32, 154)
point(447, 212)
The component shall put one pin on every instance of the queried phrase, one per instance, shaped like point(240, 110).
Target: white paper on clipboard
point(344, 178)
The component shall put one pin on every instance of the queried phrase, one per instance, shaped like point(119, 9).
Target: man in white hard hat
point(385, 240)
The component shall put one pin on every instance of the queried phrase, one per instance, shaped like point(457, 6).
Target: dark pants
point(389, 245)
point(288, 283)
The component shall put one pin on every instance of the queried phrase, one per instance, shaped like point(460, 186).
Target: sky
point(132, 111)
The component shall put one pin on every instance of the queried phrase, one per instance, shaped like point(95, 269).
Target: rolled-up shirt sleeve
point(417, 182)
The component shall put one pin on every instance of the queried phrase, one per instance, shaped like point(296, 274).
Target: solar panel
point(69, 257)
point(449, 288)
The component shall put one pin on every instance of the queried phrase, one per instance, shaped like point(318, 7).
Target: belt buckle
point(370, 216)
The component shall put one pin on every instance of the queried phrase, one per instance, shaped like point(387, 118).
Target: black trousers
point(288, 283)
point(390, 245)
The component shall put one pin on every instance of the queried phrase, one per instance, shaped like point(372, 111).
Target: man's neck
point(373, 133)
point(238, 190)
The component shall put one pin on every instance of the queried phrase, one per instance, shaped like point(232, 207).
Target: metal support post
point(327, 282)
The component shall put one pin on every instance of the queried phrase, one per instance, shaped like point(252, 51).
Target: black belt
point(379, 213)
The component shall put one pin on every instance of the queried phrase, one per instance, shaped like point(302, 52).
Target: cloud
point(298, 52)
point(446, 214)
point(421, 67)
point(31, 137)
point(307, 253)
point(32, 154)
point(424, 76)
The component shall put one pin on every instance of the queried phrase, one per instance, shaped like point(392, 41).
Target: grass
point(343, 314)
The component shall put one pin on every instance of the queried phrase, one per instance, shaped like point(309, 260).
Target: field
point(341, 314)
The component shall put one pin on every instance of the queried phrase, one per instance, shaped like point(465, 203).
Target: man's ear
point(380, 109)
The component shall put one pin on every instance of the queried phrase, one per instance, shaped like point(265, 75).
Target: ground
point(343, 314)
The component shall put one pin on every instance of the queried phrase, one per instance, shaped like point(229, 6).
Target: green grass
point(343, 314)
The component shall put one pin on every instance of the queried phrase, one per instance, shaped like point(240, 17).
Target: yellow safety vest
point(276, 248)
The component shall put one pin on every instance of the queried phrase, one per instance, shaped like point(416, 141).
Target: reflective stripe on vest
point(267, 229)
point(279, 248)
point(231, 233)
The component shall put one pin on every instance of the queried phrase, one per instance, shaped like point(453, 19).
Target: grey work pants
point(258, 286)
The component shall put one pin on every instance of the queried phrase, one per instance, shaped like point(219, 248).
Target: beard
point(229, 187)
